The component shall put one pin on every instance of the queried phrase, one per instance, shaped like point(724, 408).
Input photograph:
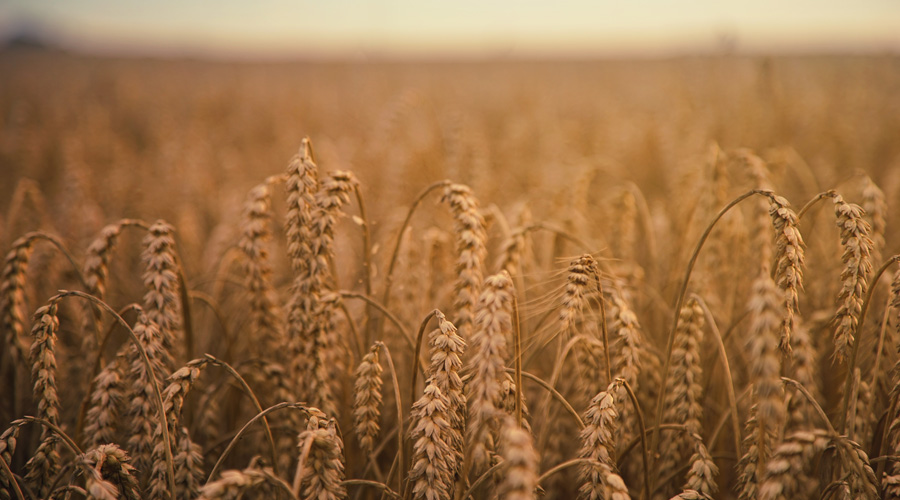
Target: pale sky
point(354, 28)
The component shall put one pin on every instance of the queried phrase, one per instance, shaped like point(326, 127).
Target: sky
point(487, 28)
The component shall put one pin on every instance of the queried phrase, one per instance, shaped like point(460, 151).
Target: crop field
point(647, 279)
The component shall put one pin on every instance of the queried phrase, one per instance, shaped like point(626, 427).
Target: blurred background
point(356, 29)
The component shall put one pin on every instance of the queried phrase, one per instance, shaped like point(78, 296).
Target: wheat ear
point(255, 236)
point(599, 477)
point(521, 459)
point(492, 331)
point(161, 301)
point(45, 462)
point(683, 401)
point(321, 466)
point(854, 277)
point(367, 402)
point(471, 251)
point(434, 460)
point(106, 404)
point(141, 413)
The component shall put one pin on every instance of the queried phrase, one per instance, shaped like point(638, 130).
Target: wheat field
point(647, 279)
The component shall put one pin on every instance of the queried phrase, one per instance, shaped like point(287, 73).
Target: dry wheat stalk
point(45, 462)
point(161, 302)
point(471, 251)
point(521, 459)
point(854, 277)
point(323, 469)
point(788, 263)
point(434, 459)
point(683, 400)
point(490, 337)
point(101, 420)
point(600, 479)
point(367, 402)
point(255, 235)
